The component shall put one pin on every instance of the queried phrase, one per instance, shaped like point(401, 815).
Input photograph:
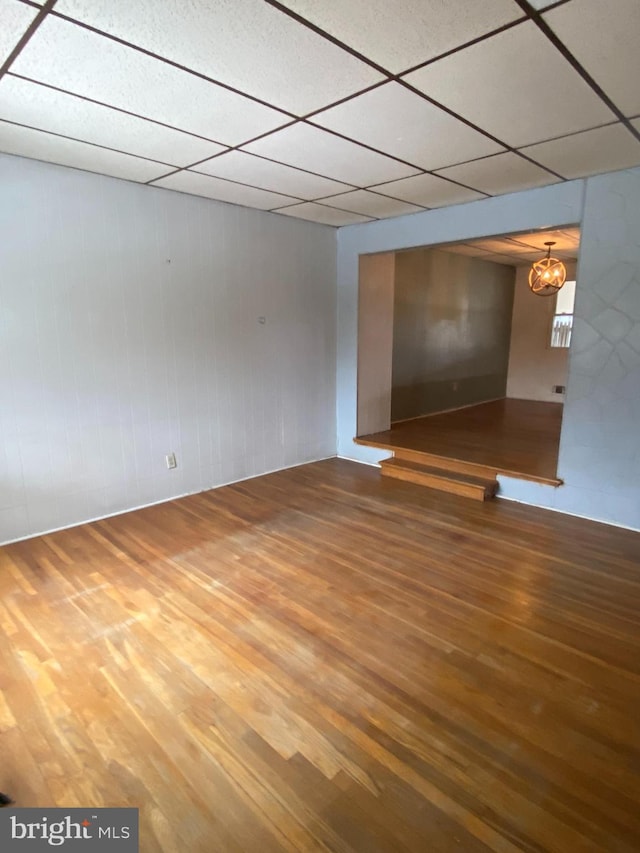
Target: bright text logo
point(79, 830)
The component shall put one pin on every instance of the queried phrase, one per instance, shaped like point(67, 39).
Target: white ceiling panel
point(405, 33)
point(502, 173)
point(516, 85)
point(246, 44)
point(249, 169)
point(215, 188)
point(464, 249)
point(509, 250)
point(72, 58)
point(67, 152)
point(47, 109)
point(604, 149)
point(428, 191)
point(314, 149)
point(401, 123)
point(503, 245)
point(502, 259)
point(567, 240)
point(604, 37)
point(371, 204)
point(325, 215)
point(14, 19)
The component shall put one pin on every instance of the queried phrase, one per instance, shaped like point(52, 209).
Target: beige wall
point(375, 341)
point(534, 367)
point(451, 328)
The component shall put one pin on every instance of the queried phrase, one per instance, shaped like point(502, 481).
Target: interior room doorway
point(459, 357)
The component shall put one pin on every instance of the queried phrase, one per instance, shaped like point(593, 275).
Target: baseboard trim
point(566, 512)
point(357, 461)
point(163, 501)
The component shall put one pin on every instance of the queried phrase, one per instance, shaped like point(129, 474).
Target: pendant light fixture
point(547, 275)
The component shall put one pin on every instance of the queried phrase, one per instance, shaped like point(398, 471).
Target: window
point(563, 315)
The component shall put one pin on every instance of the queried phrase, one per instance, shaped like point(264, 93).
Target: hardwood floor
point(517, 437)
point(321, 659)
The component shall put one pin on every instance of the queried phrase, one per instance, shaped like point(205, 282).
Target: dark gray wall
point(451, 331)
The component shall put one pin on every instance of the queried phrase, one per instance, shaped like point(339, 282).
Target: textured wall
point(600, 445)
point(451, 330)
point(129, 329)
point(599, 458)
point(534, 366)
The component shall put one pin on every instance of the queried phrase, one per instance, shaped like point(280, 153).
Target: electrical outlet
point(171, 460)
point(558, 389)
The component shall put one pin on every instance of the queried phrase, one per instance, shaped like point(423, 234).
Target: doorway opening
point(459, 359)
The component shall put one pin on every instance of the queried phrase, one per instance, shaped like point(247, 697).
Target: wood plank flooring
point(516, 437)
point(324, 660)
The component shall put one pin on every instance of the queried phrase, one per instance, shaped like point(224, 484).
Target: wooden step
point(454, 482)
point(430, 460)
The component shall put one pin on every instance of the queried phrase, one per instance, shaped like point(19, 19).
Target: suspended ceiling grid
point(336, 111)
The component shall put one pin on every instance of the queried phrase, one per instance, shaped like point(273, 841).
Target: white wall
point(599, 459)
point(534, 366)
point(129, 329)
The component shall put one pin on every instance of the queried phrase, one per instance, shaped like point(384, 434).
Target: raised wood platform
point(517, 438)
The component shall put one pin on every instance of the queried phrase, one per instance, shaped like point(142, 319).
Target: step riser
point(441, 484)
point(444, 463)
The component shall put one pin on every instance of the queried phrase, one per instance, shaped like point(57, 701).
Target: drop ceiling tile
point(14, 19)
point(564, 242)
point(501, 173)
point(401, 123)
point(501, 259)
point(514, 244)
point(604, 149)
point(247, 44)
point(67, 152)
point(521, 248)
point(220, 190)
point(603, 36)
point(428, 191)
point(314, 149)
point(503, 246)
point(249, 169)
point(405, 33)
point(325, 215)
point(530, 257)
point(47, 109)
point(371, 204)
point(465, 249)
point(516, 85)
point(84, 63)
